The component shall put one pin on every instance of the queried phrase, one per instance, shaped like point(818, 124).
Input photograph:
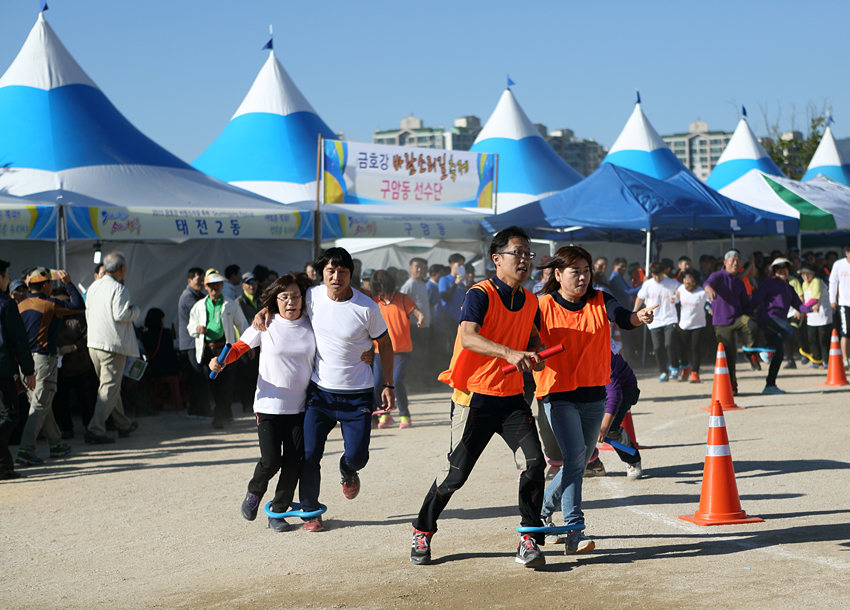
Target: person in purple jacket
point(773, 298)
point(622, 393)
point(728, 296)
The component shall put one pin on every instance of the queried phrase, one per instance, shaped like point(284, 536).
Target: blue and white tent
point(742, 155)
point(62, 140)
point(640, 148)
point(829, 161)
point(269, 146)
point(528, 167)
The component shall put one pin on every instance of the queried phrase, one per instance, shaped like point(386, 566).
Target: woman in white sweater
point(288, 351)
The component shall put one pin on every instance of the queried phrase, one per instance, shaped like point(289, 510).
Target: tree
point(792, 151)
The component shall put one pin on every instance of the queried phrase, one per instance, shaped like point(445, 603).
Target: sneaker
point(10, 475)
point(754, 360)
point(134, 425)
point(528, 553)
point(772, 389)
point(686, 372)
point(662, 378)
point(551, 470)
point(552, 538)
point(205, 416)
point(61, 450)
point(405, 422)
point(674, 372)
point(804, 360)
point(314, 524)
point(420, 550)
point(577, 543)
point(790, 365)
point(250, 506)
point(695, 377)
point(28, 459)
point(386, 421)
point(278, 525)
point(96, 439)
point(350, 485)
point(595, 468)
point(218, 424)
point(634, 471)
point(814, 366)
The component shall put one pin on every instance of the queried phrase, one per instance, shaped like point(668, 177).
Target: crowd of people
point(332, 344)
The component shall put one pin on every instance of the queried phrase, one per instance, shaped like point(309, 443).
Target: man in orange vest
point(498, 326)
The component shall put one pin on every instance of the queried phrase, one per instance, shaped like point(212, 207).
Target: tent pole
point(495, 202)
point(317, 216)
point(800, 241)
point(733, 241)
point(646, 272)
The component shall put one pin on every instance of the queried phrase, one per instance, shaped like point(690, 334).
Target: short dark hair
point(153, 320)
point(684, 258)
point(269, 298)
point(98, 267)
point(692, 273)
point(847, 247)
point(501, 239)
point(3, 266)
point(230, 270)
point(194, 272)
point(435, 270)
point(620, 261)
point(309, 264)
point(656, 269)
point(382, 282)
point(705, 258)
point(261, 273)
point(417, 259)
point(335, 257)
point(457, 257)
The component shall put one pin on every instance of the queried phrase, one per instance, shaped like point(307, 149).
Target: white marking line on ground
point(673, 422)
point(617, 490)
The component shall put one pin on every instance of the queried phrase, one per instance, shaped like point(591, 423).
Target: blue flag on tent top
point(44, 6)
point(269, 44)
point(744, 110)
point(510, 82)
point(638, 95)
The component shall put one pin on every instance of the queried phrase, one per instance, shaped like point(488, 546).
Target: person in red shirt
point(396, 308)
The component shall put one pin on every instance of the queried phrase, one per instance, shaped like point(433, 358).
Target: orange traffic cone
point(722, 389)
point(835, 375)
point(629, 426)
point(719, 503)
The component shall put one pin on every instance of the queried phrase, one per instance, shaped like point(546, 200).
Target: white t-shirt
point(653, 293)
point(344, 330)
point(288, 352)
point(418, 291)
point(823, 315)
point(839, 282)
point(693, 308)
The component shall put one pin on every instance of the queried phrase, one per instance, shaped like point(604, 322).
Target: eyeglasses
point(529, 256)
point(283, 297)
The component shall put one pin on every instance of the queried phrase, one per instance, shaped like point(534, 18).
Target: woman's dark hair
point(656, 269)
point(154, 318)
point(503, 237)
point(693, 273)
point(335, 257)
point(382, 283)
point(565, 257)
point(269, 298)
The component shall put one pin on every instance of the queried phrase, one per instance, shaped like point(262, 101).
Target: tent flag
point(829, 160)
point(270, 43)
point(528, 167)
point(640, 148)
point(743, 153)
point(510, 82)
point(744, 110)
point(44, 6)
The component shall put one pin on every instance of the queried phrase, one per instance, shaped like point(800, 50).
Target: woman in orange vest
point(572, 386)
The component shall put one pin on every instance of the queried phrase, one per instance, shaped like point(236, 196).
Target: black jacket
point(14, 343)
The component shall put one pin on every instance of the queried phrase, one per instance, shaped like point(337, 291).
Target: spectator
point(819, 322)
point(233, 280)
point(416, 287)
point(437, 331)
point(600, 274)
point(706, 267)
point(199, 392)
point(310, 270)
point(42, 317)
point(75, 373)
point(14, 352)
point(839, 299)
point(159, 347)
point(111, 340)
point(684, 264)
point(660, 291)
point(213, 323)
point(261, 274)
point(452, 292)
point(692, 321)
point(18, 290)
point(620, 285)
point(248, 369)
point(272, 278)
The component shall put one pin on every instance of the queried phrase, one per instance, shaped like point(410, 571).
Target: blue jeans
point(576, 427)
point(400, 362)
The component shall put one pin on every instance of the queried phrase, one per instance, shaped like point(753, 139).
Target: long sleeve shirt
point(622, 378)
point(731, 298)
point(43, 318)
point(839, 283)
point(14, 345)
point(622, 289)
point(774, 298)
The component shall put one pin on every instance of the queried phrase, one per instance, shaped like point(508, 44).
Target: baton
point(620, 446)
point(221, 358)
point(546, 353)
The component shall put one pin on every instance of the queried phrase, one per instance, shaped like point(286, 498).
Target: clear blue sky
point(178, 69)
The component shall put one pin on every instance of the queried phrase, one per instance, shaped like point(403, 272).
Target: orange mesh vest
point(481, 374)
point(586, 335)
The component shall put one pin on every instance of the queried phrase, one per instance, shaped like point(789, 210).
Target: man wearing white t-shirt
point(692, 320)
point(661, 291)
point(839, 298)
point(345, 323)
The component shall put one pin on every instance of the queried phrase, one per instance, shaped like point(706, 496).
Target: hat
point(780, 261)
point(212, 277)
point(808, 269)
point(16, 284)
point(248, 277)
point(39, 274)
point(366, 274)
point(731, 254)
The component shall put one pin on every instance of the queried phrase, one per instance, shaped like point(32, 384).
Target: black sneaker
point(278, 525)
point(95, 439)
point(134, 425)
point(9, 475)
point(26, 458)
point(60, 450)
point(250, 506)
point(528, 554)
point(420, 550)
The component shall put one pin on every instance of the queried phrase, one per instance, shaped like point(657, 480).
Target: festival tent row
point(63, 141)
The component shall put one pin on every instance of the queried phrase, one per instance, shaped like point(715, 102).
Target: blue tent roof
point(618, 204)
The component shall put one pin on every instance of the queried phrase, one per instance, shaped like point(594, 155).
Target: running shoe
point(695, 377)
point(790, 364)
point(551, 470)
point(278, 525)
point(386, 421)
point(810, 357)
point(28, 459)
point(250, 506)
point(662, 378)
point(350, 485)
point(552, 538)
point(528, 553)
point(686, 372)
point(577, 543)
point(420, 550)
point(60, 450)
point(634, 471)
point(754, 360)
point(772, 389)
point(314, 524)
point(595, 468)
point(405, 422)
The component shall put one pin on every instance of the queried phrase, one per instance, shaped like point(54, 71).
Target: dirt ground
point(153, 521)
